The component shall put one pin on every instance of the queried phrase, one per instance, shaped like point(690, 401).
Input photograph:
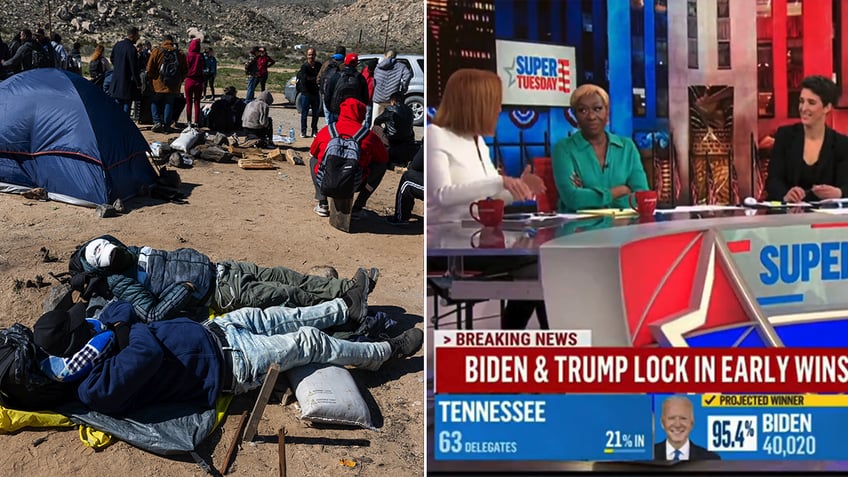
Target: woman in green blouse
point(595, 169)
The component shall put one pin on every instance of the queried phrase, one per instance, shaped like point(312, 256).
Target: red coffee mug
point(645, 202)
point(488, 237)
point(489, 212)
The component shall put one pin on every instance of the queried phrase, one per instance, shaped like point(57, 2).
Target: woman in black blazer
point(809, 160)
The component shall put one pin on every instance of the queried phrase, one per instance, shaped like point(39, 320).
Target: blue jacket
point(157, 287)
point(174, 361)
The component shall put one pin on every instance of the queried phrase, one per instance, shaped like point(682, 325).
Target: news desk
point(720, 279)
point(738, 277)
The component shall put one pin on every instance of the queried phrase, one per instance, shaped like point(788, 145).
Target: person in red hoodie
point(194, 81)
point(373, 156)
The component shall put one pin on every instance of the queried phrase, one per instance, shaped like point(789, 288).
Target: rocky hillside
point(230, 26)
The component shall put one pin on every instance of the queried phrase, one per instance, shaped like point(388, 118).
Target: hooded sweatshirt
point(156, 60)
point(174, 361)
point(391, 76)
point(256, 113)
point(194, 60)
point(350, 120)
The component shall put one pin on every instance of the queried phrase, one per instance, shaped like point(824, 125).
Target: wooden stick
point(261, 401)
point(234, 444)
point(281, 439)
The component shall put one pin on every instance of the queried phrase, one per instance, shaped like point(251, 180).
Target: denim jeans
point(251, 88)
point(307, 102)
point(164, 101)
point(291, 337)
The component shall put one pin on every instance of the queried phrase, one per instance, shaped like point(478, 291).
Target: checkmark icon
point(710, 400)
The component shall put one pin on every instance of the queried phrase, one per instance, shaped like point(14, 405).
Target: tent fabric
point(61, 132)
point(164, 429)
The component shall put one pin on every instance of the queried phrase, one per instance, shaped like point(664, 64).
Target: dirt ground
point(263, 216)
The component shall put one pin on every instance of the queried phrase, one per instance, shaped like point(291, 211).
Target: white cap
point(98, 253)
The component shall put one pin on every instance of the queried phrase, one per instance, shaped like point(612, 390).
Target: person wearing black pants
point(517, 314)
point(411, 187)
point(376, 171)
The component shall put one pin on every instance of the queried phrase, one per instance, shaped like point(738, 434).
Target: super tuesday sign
point(536, 74)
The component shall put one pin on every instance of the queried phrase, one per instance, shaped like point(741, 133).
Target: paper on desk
point(612, 212)
point(780, 205)
point(842, 211)
point(574, 216)
point(698, 208)
point(829, 201)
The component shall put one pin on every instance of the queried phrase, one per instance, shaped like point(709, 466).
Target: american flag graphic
point(564, 72)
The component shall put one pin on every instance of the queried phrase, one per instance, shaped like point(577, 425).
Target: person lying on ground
point(183, 361)
point(164, 284)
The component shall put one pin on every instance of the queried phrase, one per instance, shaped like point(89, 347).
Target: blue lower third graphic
point(543, 427)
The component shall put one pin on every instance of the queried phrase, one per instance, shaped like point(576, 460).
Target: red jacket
point(350, 120)
point(369, 78)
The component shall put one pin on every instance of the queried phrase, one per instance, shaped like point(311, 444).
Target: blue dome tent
point(60, 132)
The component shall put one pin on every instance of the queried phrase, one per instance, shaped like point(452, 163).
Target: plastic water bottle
point(291, 134)
point(280, 131)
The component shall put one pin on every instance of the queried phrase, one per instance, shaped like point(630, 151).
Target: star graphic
point(509, 71)
point(672, 330)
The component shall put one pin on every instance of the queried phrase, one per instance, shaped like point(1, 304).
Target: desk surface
point(462, 239)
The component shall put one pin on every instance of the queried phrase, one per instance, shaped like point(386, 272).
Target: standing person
point(344, 84)
point(250, 69)
point(368, 74)
point(75, 59)
point(307, 86)
point(808, 158)
point(410, 187)
point(166, 68)
point(390, 77)
point(328, 69)
point(193, 82)
point(48, 56)
point(126, 85)
point(210, 71)
point(263, 62)
point(4, 55)
point(59, 51)
point(98, 66)
point(21, 59)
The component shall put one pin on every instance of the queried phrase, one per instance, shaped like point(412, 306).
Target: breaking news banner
point(499, 396)
point(508, 362)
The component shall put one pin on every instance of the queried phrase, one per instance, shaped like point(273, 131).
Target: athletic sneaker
point(407, 343)
point(158, 128)
point(393, 220)
point(323, 210)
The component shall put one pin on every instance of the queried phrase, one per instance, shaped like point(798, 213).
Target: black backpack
point(347, 86)
point(22, 384)
point(339, 174)
point(43, 57)
point(169, 70)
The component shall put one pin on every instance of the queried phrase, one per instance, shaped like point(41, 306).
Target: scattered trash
point(39, 441)
point(37, 193)
point(282, 176)
point(281, 139)
point(19, 285)
point(46, 257)
point(347, 462)
point(38, 283)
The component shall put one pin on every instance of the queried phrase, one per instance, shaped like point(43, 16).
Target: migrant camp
point(62, 133)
